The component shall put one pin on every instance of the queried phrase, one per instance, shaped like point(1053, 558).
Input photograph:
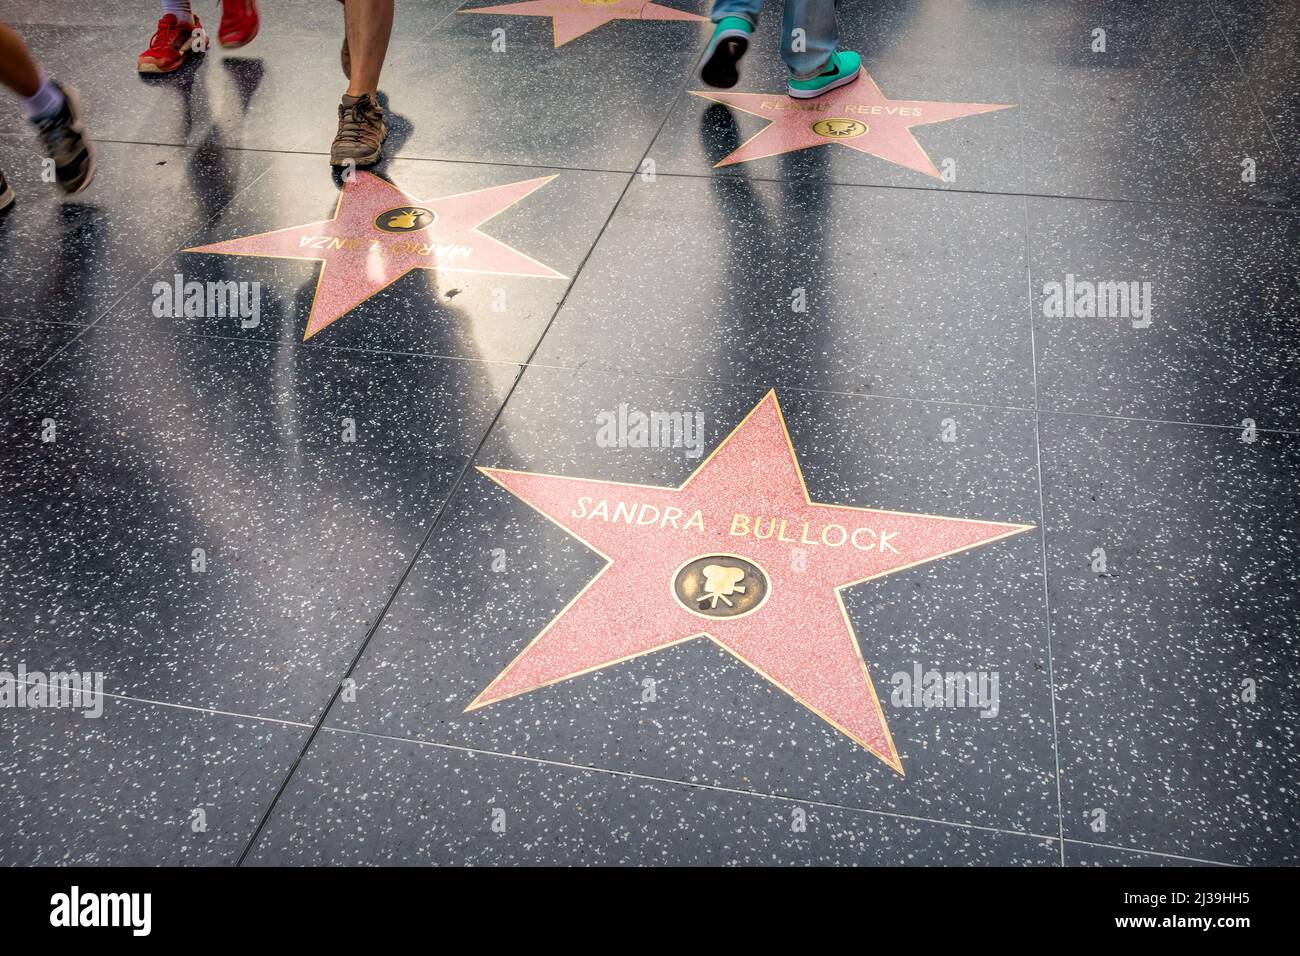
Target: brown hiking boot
point(361, 135)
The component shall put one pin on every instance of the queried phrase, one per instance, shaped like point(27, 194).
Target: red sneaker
point(170, 46)
point(239, 22)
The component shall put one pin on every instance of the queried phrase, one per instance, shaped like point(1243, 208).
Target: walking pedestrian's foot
point(63, 134)
point(170, 46)
point(239, 23)
point(361, 134)
point(722, 56)
point(843, 68)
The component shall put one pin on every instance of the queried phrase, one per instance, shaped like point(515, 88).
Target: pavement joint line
point(631, 774)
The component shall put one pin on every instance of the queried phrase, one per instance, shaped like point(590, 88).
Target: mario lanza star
point(738, 554)
point(380, 232)
point(858, 116)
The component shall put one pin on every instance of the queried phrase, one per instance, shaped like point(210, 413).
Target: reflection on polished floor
point(624, 471)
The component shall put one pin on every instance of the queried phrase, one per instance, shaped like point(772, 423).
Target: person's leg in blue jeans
point(808, 45)
point(807, 53)
point(816, 66)
point(736, 8)
point(735, 21)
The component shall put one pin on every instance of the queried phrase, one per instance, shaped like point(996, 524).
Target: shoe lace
point(165, 36)
point(353, 120)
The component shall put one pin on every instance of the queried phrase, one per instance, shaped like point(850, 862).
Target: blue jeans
point(816, 18)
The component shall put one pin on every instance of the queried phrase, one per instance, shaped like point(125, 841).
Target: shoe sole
point(6, 197)
point(370, 160)
point(88, 176)
point(235, 45)
point(154, 68)
point(833, 85)
point(78, 125)
point(720, 61)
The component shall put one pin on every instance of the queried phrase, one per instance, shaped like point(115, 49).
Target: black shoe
point(64, 137)
point(722, 57)
point(6, 193)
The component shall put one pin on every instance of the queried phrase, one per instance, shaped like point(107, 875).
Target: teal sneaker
point(729, 43)
point(843, 68)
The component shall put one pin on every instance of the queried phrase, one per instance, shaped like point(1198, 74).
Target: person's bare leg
point(18, 70)
point(53, 110)
point(368, 24)
point(345, 56)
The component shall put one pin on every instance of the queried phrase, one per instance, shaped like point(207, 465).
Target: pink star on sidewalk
point(379, 233)
point(858, 116)
point(570, 19)
point(738, 554)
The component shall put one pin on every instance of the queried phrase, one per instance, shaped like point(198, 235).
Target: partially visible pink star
point(360, 259)
point(570, 19)
point(858, 116)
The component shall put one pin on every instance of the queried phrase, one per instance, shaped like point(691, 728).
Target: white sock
point(47, 101)
point(184, 12)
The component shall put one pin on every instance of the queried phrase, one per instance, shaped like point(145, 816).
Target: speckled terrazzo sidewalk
point(620, 475)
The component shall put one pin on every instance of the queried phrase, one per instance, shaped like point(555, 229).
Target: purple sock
point(47, 101)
